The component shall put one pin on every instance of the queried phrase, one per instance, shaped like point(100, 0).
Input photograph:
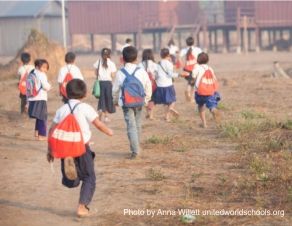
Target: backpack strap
point(127, 73)
point(68, 68)
point(33, 73)
point(74, 107)
point(162, 68)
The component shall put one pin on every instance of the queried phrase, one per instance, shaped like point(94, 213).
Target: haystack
point(39, 47)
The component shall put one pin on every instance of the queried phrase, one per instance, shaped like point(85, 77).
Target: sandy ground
point(30, 194)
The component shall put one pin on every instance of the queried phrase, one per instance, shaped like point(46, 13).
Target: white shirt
point(152, 67)
point(24, 69)
point(164, 79)
point(172, 49)
point(120, 77)
point(124, 46)
point(199, 71)
point(74, 70)
point(195, 52)
point(84, 113)
point(104, 74)
point(42, 80)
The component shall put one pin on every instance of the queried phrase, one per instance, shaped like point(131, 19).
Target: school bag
point(132, 90)
point(190, 62)
point(22, 84)
point(208, 84)
point(66, 139)
point(32, 85)
point(96, 86)
point(67, 78)
point(152, 80)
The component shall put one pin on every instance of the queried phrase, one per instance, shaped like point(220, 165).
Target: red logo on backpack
point(22, 84)
point(66, 138)
point(67, 78)
point(208, 84)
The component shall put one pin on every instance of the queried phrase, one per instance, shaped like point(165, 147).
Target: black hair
point(164, 53)
point(190, 41)
point(128, 40)
point(105, 53)
point(129, 54)
point(39, 63)
point(203, 58)
point(171, 42)
point(25, 57)
point(70, 57)
point(76, 89)
point(147, 55)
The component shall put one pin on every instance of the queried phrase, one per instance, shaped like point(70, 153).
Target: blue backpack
point(132, 90)
point(32, 89)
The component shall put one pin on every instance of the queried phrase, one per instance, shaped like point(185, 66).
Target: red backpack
point(67, 78)
point(152, 80)
point(190, 61)
point(66, 139)
point(208, 84)
point(22, 83)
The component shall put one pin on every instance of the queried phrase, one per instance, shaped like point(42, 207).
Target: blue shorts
point(210, 101)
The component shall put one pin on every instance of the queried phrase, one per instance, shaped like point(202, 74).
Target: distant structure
point(16, 17)
point(217, 26)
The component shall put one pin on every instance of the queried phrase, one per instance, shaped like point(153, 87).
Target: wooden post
point(238, 28)
point(113, 41)
point(179, 40)
point(154, 42)
point(215, 40)
point(92, 42)
point(257, 40)
point(269, 37)
point(245, 41)
point(159, 40)
point(224, 49)
point(227, 41)
point(210, 40)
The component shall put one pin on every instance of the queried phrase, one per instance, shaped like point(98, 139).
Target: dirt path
point(192, 162)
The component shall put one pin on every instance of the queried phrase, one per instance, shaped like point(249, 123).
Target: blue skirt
point(210, 101)
point(38, 109)
point(165, 95)
point(106, 102)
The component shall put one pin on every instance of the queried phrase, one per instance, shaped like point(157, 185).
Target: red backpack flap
point(153, 83)
point(67, 78)
point(190, 62)
point(208, 84)
point(66, 139)
point(22, 84)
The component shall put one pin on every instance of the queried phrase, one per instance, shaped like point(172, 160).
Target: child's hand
point(110, 132)
point(50, 156)
point(184, 74)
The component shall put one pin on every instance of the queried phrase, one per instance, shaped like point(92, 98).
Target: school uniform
point(173, 49)
point(38, 104)
point(132, 115)
point(105, 102)
point(84, 115)
point(210, 101)
point(165, 93)
point(152, 67)
point(21, 72)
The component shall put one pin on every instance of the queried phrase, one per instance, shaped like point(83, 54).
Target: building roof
point(23, 8)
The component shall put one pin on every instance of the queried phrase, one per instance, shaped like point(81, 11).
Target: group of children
point(156, 81)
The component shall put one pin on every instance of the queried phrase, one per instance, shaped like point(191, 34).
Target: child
point(209, 101)
point(38, 104)
point(69, 68)
point(165, 93)
point(105, 72)
point(191, 54)
point(80, 168)
point(22, 71)
point(173, 50)
point(132, 115)
point(128, 43)
point(149, 65)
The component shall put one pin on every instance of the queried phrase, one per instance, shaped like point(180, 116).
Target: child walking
point(210, 101)
point(132, 115)
point(80, 168)
point(165, 93)
point(71, 68)
point(38, 104)
point(127, 43)
point(22, 73)
point(149, 65)
point(105, 72)
point(191, 54)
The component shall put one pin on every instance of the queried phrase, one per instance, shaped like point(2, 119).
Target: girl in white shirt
point(165, 93)
point(149, 65)
point(38, 104)
point(105, 72)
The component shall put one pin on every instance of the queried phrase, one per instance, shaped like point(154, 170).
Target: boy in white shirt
point(80, 168)
point(128, 43)
point(132, 115)
point(69, 68)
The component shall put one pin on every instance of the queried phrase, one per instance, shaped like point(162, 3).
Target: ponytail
point(190, 51)
point(105, 53)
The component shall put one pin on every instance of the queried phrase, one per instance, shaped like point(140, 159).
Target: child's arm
point(99, 125)
point(50, 156)
point(116, 90)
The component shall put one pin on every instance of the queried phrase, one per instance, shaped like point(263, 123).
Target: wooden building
point(212, 23)
point(16, 17)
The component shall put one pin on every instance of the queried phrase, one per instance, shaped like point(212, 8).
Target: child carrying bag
point(67, 78)
point(208, 84)
point(22, 84)
point(96, 86)
point(32, 86)
point(66, 139)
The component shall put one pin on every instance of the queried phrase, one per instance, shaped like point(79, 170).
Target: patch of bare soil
point(182, 167)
